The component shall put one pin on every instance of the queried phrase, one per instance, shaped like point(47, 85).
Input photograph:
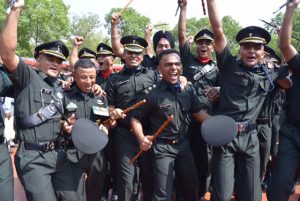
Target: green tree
point(84, 24)
point(41, 21)
point(231, 27)
point(133, 23)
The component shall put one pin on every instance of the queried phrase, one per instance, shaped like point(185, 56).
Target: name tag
point(101, 111)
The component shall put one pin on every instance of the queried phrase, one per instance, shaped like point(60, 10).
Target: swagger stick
point(123, 9)
point(107, 121)
point(153, 137)
point(203, 7)
point(275, 26)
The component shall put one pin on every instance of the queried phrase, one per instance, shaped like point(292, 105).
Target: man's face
point(204, 48)
point(163, 44)
point(50, 65)
point(251, 53)
point(85, 78)
point(105, 61)
point(170, 68)
point(133, 59)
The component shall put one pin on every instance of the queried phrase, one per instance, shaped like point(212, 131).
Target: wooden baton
point(107, 121)
point(153, 137)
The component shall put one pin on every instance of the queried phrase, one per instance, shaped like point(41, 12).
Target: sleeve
point(199, 101)
point(110, 92)
point(22, 76)
point(294, 64)
point(186, 57)
point(142, 112)
point(224, 60)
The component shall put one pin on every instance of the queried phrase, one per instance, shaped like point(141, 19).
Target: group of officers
point(189, 87)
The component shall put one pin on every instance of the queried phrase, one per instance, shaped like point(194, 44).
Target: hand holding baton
point(107, 121)
point(153, 137)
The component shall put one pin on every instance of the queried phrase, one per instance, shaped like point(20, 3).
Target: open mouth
point(101, 63)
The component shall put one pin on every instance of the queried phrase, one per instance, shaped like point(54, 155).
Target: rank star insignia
point(99, 102)
point(71, 106)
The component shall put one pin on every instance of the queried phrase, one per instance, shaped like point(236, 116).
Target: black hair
point(84, 63)
point(167, 52)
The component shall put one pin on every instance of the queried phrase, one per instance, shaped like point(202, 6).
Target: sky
point(246, 12)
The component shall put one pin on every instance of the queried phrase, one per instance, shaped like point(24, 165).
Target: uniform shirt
point(100, 80)
point(150, 62)
point(293, 94)
point(128, 87)
point(192, 66)
point(83, 106)
point(163, 102)
point(243, 90)
point(28, 83)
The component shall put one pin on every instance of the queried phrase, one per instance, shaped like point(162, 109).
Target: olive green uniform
point(124, 90)
point(193, 70)
point(243, 91)
point(171, 150)
point(41, 164)
point(95, 165)
point(288, 156)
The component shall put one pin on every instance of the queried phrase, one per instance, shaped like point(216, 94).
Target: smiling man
point(81, 102)
point(40, 163)
point(171, 150)
point(123, 90)
point(245, 82)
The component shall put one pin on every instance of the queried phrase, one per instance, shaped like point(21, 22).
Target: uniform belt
point(67, 144)
point(46, 146)
point(245, 127)
point(1, 140)
point(168, 141)
point(263, 120)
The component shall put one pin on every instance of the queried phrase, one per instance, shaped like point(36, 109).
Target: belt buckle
point(50, 146)
point(41, 115)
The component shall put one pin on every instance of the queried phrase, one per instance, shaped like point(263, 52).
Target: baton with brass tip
point(123, 9)
point(153, 137)
point(107, 121)
point(282, 6)
point(177, 10)
point(275, 26)
point(161, 24)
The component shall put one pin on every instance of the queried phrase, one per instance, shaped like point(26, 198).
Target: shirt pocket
point(239, 83)
point(264, 86)
point(166, 109)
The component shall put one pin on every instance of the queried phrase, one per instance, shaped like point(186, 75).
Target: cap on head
point(86, 53)
point(54, 48)
point(163, 34)
point(272, 53)
point(253, 34)
point(134, 43)
point(204, 34)
point(103, 49)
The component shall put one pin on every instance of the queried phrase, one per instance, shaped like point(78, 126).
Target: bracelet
point(116, 36)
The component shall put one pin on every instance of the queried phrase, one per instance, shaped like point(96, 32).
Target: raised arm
point(8, 38)
point(286, 47)
point(182, 22)
point(76, 41)
point(216, 25)
point(148, 35)
point(115, 35)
